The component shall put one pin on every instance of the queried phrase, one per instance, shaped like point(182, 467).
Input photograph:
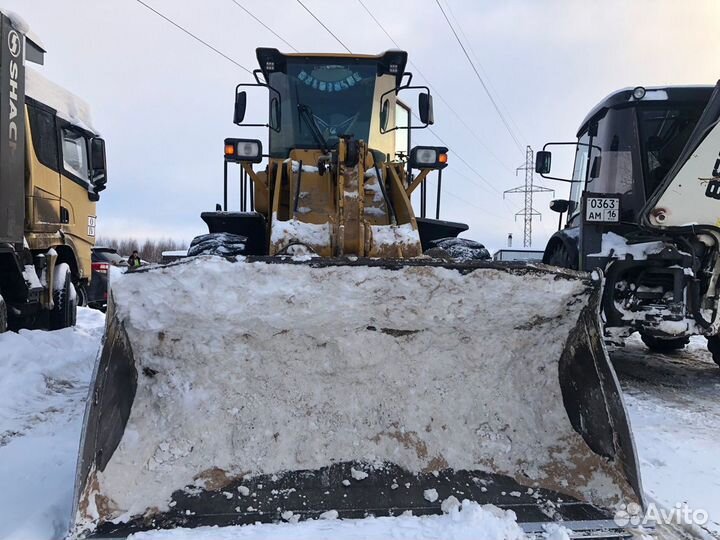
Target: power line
point(196, 38)
point(263, 24)
point(427, 79)
point(323, 25)
point(487, 77)
point(477, 73)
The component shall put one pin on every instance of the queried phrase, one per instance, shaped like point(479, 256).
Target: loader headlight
point(240, 150)
point(428, 157)
point(638, 93)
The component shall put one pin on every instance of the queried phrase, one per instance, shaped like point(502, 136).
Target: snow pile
point(42, 393)
point(469, 521)
point(273, 352)
point(391, 235)
point(285, 233)
point(68, 106)
point(614, 245)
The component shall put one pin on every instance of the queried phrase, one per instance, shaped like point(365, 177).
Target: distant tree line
point(149, 250)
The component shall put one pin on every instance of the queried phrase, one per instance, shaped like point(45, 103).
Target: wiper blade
point(307, 115)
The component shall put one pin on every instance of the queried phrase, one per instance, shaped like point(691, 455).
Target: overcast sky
point(164, 102)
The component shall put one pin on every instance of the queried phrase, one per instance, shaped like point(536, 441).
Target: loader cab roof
point(624, 98)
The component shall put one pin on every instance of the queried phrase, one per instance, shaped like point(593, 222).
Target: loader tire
point(459, 249)
point(713, 345)
point(64, 313)
point(664, 346)
point(560, 257)
point(221, 244)
point(3, 316)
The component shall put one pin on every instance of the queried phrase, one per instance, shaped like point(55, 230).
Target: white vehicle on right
point(644, 207)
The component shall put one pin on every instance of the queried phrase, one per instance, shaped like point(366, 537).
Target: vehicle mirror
point(384, 115)
point(543, 162)
point(559, 205)
point(595, 168)
point(240, 107)
point(275, 114)
point(98, 163)
point(425, 108)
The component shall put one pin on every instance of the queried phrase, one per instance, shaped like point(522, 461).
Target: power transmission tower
point(528, 212)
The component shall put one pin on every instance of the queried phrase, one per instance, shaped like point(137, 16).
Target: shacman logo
point(14, 43)
point(632, 515)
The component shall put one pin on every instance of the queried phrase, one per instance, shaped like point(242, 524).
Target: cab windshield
point(326, 98)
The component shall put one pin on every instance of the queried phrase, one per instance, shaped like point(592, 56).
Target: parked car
point(102, 259)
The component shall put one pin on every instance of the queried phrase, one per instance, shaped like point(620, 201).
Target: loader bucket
point(262, 389)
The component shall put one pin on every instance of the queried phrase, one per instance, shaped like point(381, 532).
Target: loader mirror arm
point(543, 160)
point(425, 108)
point(241, 106)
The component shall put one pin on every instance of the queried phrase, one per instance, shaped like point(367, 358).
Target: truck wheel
point(82, 295)
point(662, 345)
point(713, 345)
point(3, 316)
point(560, 257)
point(64, 313)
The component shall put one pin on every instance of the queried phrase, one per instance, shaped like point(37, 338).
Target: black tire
point(664, 345)
point(459, 249)
point(713, 345)
point(64, 314)
point(222, 244)
point(3, 316)
point(82, 295)
point(560, 257)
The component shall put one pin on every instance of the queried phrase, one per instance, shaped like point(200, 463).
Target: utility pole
point(528, 212)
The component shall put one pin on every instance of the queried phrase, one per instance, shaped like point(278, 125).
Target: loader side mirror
point(98, 163)
point(543, 162)
point(425, 108)
point(384, 115)
point(240, 107)
point(559, 205)
point(275, 114)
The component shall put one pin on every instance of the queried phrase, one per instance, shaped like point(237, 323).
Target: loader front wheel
point(664, 345)
point(64, 313)
point(713, 345)
point(222, 244)
point(561, 257)
point(3, 316)
point(459, 249)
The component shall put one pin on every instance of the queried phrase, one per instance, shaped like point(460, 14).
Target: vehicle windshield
point(337, 97)
point(664, 133)
point(108, 256)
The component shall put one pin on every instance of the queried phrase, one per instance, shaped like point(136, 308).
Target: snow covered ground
point(672, 402)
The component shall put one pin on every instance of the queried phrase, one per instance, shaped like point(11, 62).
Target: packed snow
point(285, 233)
point(319, 400)
point(672, 401)
point(614, 245)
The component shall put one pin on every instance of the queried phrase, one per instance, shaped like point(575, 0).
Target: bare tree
point(150, 250)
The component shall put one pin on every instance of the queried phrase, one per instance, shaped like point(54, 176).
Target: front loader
point(311, 356)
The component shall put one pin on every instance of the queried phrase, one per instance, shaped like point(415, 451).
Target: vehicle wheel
point(460, 249)
point(664, 345)
point(3, 316)
point(64, 314)
point(222, 244)
point(713, 345)
point(82, 295)
point(560, 257)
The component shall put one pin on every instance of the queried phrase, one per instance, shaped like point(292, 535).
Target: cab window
point(75, 154)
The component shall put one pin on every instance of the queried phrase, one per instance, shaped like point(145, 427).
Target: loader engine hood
point(236, 391)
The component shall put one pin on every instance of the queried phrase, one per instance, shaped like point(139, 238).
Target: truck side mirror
point(98, 163)
point(559, 205)
point(425, 109)
point(543, 161)
point(240, 107)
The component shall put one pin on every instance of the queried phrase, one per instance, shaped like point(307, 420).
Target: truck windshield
point(337, 96)
point(664, 133)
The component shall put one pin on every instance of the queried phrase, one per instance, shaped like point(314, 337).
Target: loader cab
point(628, 143)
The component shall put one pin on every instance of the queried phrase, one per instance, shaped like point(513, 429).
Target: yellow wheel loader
point(52, 168)
point(311, 357)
